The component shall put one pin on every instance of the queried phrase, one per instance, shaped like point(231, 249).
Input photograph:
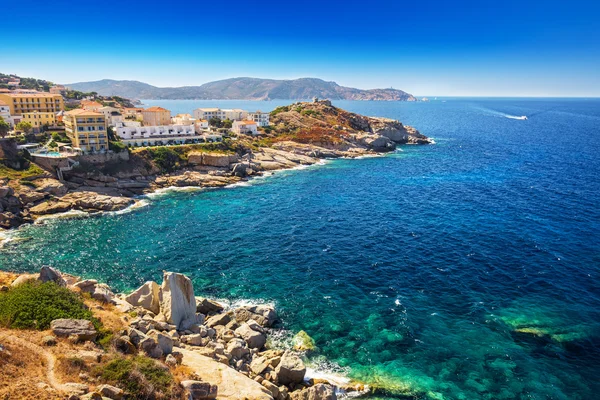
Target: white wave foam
point(7, 237)
point(135, 206)
point(170, 189)
point(64, 215)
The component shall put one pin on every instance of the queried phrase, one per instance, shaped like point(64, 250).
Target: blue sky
point(460, 48)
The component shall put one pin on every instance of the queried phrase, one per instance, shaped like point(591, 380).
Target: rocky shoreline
point(303, 134)
point(226, 349)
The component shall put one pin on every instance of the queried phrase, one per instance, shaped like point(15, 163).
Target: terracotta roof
point(33, 95)
point(80, 111)
point(156, 109)
point(246, 122)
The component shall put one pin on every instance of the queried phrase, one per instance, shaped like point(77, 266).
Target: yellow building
point(156, 116)
point(20, 103)
point(87, 130)
point(38, 119)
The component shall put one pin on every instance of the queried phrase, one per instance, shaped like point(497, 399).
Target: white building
point(261, 118)
point(156, 135)
point(245, 127)
point(183, 119)
point(234, 114)
point(113, 115)
point(201, 125)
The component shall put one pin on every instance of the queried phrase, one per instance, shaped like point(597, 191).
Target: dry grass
point(6, 278)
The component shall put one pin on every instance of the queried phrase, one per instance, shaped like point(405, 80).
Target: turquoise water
point(464, 270)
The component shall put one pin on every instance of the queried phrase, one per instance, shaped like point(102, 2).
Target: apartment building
point(261, 118)
point(87, 130)
point(20, 103)
point(113, 115)
point(91, 105)
point(38, 119)
point(156, 135)
point(234, 114)
point(156, 116)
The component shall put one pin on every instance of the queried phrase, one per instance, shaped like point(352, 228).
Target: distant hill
point(242, 89)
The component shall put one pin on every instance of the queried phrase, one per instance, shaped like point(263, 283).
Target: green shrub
point(165, 158)
point(280, 110)
point(33, 305)
point(116, 146)
point(141, 377)
point(309, 112)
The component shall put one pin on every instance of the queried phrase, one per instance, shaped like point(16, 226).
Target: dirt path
point(50, 359)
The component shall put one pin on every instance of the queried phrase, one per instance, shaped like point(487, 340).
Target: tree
point(4, 128)
point(227, 123)
point(24, 127)
point(216, 122)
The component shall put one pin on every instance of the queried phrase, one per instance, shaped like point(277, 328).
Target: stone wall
point(104, 158)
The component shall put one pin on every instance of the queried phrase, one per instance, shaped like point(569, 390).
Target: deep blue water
point(416, 270)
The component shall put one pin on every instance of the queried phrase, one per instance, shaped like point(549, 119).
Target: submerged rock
point(303, 342)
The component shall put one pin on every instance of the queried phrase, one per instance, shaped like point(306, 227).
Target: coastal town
point(91, 124)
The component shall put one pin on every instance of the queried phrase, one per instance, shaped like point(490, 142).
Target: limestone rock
point(146, 296)
point(232, 384)
point(110, 391)
point(291, 369)
point(255, 339)
point(206, 306)
point(49, 274)
point(196, 390)
point(319, 391)
point(80, 328)
point(177, 301)
point(263, 314)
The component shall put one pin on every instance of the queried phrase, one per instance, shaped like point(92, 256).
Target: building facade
point(87, 130)
point(5, 113)
point(20, 103)
point(113, 115)
point(38, 119)
point(245, 127)
point(261, 118)
point(156, 116)
point(234, 114)
point(156, 135)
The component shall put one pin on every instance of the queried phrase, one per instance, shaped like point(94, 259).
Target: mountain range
point(241, 89)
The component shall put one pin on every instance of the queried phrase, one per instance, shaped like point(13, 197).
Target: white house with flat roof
point(234, 114)
point(245, 127)
point(261, 118)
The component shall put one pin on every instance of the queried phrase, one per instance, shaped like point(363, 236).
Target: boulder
point(206, 306)
point(30, 196)
point(81, 329)
point(165, 342)
point(303, 342)
point(237, 348)
point(111, 392)
point(151, 347)
point(291, 369)
point(49, 340)
point(232, 384)
point(103, 293)
point(146, 296)
point(52, 186)
point(49, 274)
point(21, 279)
point(319, 391)
point(197, 390)
point(124, 345)
point(255, 340)
point(76, 388)
point(271, 387)
point(263, 314)
point(219, 319)
point(87, 285)
point(5, 191)
point(259, 364)
point(177, 301)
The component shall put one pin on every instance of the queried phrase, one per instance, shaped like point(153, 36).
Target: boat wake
point(501, 114)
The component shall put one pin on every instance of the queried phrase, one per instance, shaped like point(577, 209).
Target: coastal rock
point(29, 196)
point(111, 392)
point(177, 301)
point(291, 369)
point(21, 279)
point(319, 391)
point(165, 342)
point(232, 385)
point(207, 306)
point(219, 319)
point(150, 347)
point(237, 348)
point(263, 314)
point(196, 390)
point(211, 159)
point(146, 296)
point(194, 178)
point(124, 345)
point(255, 339)
point(51, 186)
point(6, 191)
point(79, 328)
point(303, 342)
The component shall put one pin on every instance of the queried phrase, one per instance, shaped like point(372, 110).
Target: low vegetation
point(33, 305)
point(141, 377)
point(31, 171)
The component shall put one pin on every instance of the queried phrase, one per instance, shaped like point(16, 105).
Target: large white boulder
point(146, 296)
point(177, 301)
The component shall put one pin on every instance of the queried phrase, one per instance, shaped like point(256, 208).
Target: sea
point(467, 269)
